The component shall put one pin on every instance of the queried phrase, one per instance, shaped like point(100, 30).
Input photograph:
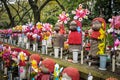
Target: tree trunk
point(36, 9)
point(36, 12)
point(36, 16)
point(12, 23)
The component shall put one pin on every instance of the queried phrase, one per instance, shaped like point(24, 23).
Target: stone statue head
point(73, 26)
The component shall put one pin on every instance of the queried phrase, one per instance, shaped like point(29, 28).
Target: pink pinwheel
point(14, 55)
point(29, 35)
point(80, 13)
point(46, 27)
point(115, 22)
point(6, 48)
point(14, 35)
point(117, 42)
point(36, 31)
point(64, 17)
point(6, 53)
point(27, 29)
point(10, 31)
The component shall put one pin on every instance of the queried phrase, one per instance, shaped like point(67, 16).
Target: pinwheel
point(115, 21)
point(57, 71)
point(63, 17)
point(80, 13)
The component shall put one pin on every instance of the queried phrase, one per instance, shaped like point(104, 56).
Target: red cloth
point(87, 48)
point(49, 63)
point(45, 77)
point(42, 76)
point(75, 38)
point(117, 26)
point(62, 30)
point(41, 37)
point(7, 63)
point(26, 52)
point(78, 23)
point(72, 72)
point(22, 63)
point(16, 49)
point(95, 34)
point(35, 57)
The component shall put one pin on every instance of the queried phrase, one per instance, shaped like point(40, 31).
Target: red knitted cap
point(35, 57)
point(100, 20)
point(49, 63)
point(72, 72)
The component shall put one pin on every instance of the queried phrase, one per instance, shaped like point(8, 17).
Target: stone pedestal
point(56, 52)
point(28, 45)
point(103, 62)
point(5, 40)
point(22, 73)
point(61, 52)
point(75, 55)
point(25, 40)
point(5, 70)
point(20, 41)
point(14, 42)
point(10, 75)
point(35, 47)
point(44, 44)
point(43, 49)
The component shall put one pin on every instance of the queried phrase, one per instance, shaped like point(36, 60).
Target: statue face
point(44, 69)
point(96, 25)
point(66, 77)
point(73, 26)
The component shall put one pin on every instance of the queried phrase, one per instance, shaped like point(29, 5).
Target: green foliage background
point(52, 10)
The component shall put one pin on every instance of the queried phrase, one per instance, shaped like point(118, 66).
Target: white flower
point(65, 22)
point(34, 36)
point(115, 31)
point(73, 12)
point(75, 17)
point(116, 48)
point(110, 20)
point(110, 30)
point(80, 19)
